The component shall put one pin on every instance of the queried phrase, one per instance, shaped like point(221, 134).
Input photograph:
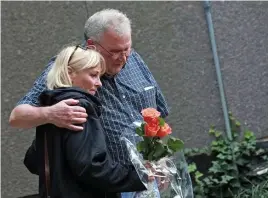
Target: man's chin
point(115, 71)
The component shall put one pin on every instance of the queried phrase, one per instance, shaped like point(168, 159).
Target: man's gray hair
point(106, 19)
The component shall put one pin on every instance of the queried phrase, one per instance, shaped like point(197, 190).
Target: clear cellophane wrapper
point(172, 179)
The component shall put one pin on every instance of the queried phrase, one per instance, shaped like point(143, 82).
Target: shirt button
point(124, 96)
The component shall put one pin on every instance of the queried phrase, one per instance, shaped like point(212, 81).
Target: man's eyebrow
point(117, 50)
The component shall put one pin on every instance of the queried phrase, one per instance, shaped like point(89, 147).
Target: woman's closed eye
point(95, 75)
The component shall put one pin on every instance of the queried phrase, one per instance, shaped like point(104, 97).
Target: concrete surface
point(172, 38)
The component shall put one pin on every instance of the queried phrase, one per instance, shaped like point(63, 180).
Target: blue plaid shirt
point(123, 97)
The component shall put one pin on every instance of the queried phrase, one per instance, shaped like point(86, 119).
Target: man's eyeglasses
point(115, 55)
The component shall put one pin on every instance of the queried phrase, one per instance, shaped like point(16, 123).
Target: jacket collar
point(51, 97)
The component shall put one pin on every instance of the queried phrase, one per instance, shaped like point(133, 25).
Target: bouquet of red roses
point(153, 129)
point(156, 155)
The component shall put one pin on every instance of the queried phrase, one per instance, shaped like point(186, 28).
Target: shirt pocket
point(145, 97)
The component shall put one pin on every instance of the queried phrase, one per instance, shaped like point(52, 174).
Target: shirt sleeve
point(39, 86)
point(161, 102)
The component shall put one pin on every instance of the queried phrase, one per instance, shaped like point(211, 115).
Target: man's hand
point(161, 179)
point(65, 115)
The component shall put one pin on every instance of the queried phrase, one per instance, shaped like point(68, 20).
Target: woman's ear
point(71, 73)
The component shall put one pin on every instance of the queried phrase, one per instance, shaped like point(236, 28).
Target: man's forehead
point(113, 37)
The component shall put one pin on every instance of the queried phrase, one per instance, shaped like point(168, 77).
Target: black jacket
point(80, 164)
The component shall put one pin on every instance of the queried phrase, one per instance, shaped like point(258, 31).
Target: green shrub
point(233, 166)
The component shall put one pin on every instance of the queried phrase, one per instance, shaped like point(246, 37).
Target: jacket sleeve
point(30, 159)
point(91, 163)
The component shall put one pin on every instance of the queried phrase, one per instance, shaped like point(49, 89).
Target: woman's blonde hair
point(72, 59)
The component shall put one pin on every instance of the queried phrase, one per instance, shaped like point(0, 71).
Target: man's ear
point(90, 44)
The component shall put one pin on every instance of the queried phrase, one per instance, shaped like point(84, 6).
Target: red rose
point(164, 131)
point(150, 115)
point(151, 130)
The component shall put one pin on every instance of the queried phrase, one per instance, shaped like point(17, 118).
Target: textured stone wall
point(172, 37)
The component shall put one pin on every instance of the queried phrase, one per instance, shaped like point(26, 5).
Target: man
point(127, 87)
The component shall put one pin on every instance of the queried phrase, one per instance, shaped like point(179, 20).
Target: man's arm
point(62, 114)
point(28, 114)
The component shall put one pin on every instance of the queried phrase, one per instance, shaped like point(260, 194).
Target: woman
point(80, 165)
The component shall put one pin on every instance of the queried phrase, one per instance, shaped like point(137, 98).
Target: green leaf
point(217, 134)
point(221, 156)
point(215, 169)
point(241, 161)
point(248, 135)
point(192, 168)
point(161, 121)
point(158, 140)
point(211, 131)
point(142, 126)
point(169, 151)
point(141, 146)
point(159, 151)
point(207, 180)
point(214, 143)
point(150, 156)
point(175, 144)
point(198, 174)
point(237, 123)
point(139, 131)
point(226, 179)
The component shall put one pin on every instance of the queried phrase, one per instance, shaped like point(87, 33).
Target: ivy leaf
point(215, 180)
point(235, 183)
point(175, 144)
point(216, 168)
point(211, 131)
point(226, 179)
point(198, 175)
point(192, 168)
point(237, 123)
point(214, 143)
point(207, 180)
point(217, 134)
point(248, 135)
point(241, 161)
point(221, 156)
point(161, 122)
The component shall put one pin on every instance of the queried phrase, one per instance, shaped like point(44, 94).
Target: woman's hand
point(151, 170)
point(162, 181)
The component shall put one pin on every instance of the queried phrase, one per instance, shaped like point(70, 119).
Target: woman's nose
point(98, 83)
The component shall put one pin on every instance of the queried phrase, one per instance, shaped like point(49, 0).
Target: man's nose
point(123, 57)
